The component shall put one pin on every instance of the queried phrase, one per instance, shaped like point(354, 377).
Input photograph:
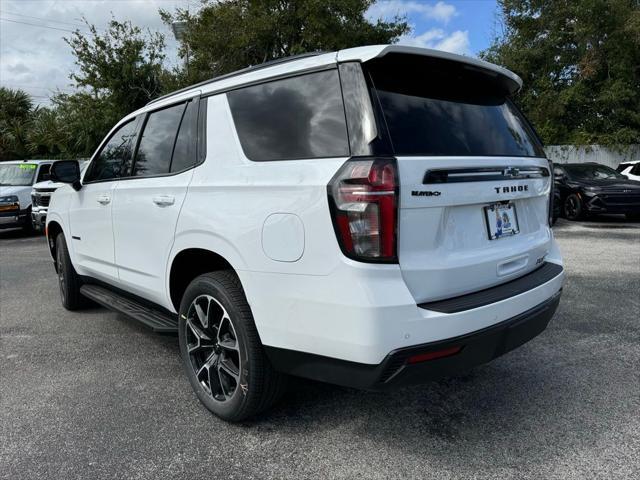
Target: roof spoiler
point(364, 54)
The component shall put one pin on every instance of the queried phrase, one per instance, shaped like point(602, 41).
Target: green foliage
point(231, 34)
point(16, 110)
point(580, 63)
point(124, 63)
point(119, 71)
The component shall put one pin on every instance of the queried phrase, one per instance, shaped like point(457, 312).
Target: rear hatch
point(474, 180)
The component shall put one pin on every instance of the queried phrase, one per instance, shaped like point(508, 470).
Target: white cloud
point(438, 39)
point(35, 57)
point(440, 11)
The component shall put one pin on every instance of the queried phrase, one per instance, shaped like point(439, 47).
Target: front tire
point(68, 280)
point(573, 209)
point(221, 350)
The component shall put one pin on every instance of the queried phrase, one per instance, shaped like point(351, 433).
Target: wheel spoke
point(229, 344)
point(204, 372)
point(202, 340)
point(202, 316)
point(226, 335)
point(228, 367)
point(215, 314)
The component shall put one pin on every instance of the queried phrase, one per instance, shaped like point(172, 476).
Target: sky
point(35, 58)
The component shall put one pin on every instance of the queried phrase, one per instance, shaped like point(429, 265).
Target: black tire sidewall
point(580, 212)
point(63, 262)
point(205, 285)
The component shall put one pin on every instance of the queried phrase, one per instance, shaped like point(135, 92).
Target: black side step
point(156, 320)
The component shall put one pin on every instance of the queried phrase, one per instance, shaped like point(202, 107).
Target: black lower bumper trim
point(477, 348)
point(546, 272)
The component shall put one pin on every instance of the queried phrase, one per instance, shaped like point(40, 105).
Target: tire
point(573, 209)
point(68, 280)
point(221, 350)
point(28, 228)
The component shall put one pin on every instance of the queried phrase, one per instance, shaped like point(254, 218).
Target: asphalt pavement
point(94, 395)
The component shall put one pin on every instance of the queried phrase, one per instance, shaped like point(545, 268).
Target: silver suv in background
point(16, 180)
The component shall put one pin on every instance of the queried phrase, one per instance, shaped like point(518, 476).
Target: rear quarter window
point(293, 118)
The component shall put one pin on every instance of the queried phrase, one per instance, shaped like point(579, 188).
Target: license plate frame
point(501, 220)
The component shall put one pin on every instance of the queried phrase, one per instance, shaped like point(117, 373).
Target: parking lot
point(94, 395)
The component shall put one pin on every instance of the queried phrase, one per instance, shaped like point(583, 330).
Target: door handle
point(103, 199)
point(164, 200)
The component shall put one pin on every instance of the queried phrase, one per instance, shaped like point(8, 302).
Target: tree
point(16, 110)
point(231, 34)
point(580, 63)
point(124, 64)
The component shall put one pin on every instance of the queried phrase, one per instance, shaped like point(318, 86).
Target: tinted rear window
point(294, 118)
point(435, 107)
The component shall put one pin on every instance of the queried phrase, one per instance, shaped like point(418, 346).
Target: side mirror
point(66, 171)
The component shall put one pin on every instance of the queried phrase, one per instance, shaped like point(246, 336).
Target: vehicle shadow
point(601, 221)
point(497, 407)
point(15, 233)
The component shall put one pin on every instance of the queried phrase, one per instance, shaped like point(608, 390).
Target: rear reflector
point(423, 357)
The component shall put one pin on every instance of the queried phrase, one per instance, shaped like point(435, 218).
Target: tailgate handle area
point(512, 265)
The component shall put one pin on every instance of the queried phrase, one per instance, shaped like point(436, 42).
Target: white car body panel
point(23, 194)
point(90, 220)
point(140, 245)
point(631, 167)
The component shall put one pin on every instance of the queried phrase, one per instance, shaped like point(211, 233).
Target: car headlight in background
point(9, 203)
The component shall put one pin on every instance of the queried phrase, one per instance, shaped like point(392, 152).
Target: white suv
point(631, 169)
point(370, 217)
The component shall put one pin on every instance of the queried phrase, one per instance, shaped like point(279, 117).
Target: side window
point(294, 118)
point(108, 164)
point(156, 145)
point(636, 169)
point(43, 173)
point(184, 153)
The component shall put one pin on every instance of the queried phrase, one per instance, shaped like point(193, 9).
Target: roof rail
point(252, 68)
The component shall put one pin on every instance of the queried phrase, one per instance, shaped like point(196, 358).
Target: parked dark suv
point(591, 188)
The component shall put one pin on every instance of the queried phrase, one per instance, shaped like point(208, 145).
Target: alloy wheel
point(213, 348)
point(572, 207)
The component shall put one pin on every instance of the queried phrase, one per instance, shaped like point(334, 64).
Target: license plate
point(502, 220)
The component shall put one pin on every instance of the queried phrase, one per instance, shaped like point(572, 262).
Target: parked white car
point(631, 169)
point(41, 197)
point(16, 180)
point(370, 217)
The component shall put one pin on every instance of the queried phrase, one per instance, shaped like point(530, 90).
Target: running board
point(157, 321)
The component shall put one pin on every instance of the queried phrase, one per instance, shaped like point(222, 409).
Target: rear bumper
point(396, 369)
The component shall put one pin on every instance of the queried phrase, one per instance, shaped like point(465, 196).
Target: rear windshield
point(435, 107)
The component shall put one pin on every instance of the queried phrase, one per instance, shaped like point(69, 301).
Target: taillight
point(364, 204)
